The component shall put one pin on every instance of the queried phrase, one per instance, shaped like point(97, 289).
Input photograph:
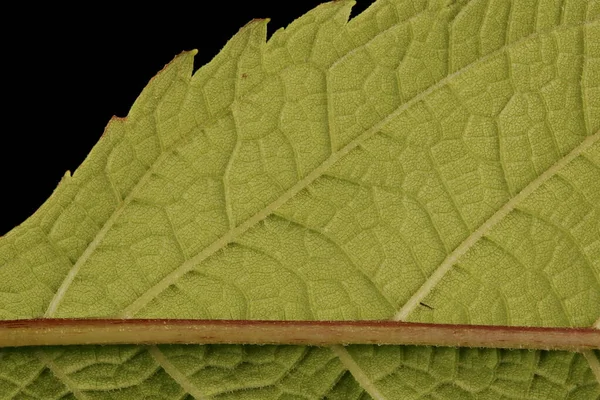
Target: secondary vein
point(174, 373)
point(592, 360)
point(365, 382)
point(498, 216)
point(60, 375)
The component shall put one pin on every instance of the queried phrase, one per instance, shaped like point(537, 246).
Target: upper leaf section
point(443, 154)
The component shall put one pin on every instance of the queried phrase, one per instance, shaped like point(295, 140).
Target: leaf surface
point(425, 161)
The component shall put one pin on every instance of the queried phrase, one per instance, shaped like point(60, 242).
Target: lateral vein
point(498, 216)
point(358, 374)
point(593, 362)
point(60, 375)
point(174, 373)
point(66, 283)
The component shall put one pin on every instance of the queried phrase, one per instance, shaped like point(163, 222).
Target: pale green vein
point(226, 194)
point(60, 375)
point(587, 120)
point(592, 360)
point(498, 216)
point(21, 387)
point(113, 187)
point(66, 283)
point(365, 382)
point(330, 119)
point(93, 245)
point(234, 233)
point(174, 373)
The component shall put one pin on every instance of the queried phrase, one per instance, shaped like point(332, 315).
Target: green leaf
point(426, 161)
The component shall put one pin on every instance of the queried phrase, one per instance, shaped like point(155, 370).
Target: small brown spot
point(244, 75)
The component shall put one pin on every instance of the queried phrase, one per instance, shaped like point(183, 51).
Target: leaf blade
point(362, 283)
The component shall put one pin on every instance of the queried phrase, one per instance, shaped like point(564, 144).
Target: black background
point(67, 71)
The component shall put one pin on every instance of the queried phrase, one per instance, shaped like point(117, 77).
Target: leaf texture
point(424, 161)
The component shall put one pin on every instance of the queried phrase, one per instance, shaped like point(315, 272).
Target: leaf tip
point(259, 23)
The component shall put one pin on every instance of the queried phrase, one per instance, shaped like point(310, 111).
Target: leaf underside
point(425, 161)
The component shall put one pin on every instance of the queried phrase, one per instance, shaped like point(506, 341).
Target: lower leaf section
point(411, 372)
point(292, 373)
